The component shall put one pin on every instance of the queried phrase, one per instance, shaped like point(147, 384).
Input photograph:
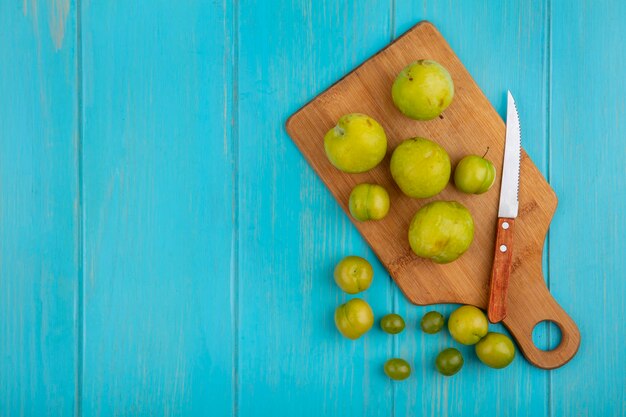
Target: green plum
point(474, 175)
point(423, 90)
point(356, 144)
point(441, 231)
point(369, 202)
point(397, 369)
point(467, 325)
point(354, 318)
point(495, 350)
point(353, 274)
point(432, 322)
point(449, 361)
point(420, 167)
point(392, 323)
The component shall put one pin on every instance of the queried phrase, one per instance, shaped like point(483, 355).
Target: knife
point(507, 212)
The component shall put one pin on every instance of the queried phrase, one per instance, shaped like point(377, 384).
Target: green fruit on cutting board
point(356, 144)
point(474, 175)
point(467, 325)
point(432, 322)
point(441, 231)
point(353, 274)
point(392, 324)
point(449, 362)
point(495, 350)
point(423, 90)
point(420, 167)
point(354, 318)
point(397, 369)
point(369, 202)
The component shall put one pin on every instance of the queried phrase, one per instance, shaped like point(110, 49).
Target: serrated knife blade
point(509, 191)
point(507, 212)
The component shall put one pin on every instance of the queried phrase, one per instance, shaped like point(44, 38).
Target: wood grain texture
point(501, 270)
point(587, 244)
point(39, 210)
point(292, 360)
point(469, 122)
point(159, 209)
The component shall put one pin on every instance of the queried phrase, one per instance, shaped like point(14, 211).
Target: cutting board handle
point(523, 317)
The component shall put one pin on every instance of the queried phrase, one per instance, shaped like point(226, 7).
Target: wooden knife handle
point(502, 259)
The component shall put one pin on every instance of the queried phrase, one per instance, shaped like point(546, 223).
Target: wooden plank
point(39, 209)
point(587, 244)
point(292, 232)
point(159, 198)
point(502, 44)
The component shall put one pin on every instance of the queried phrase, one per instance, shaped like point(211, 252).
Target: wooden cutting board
point(468, 126)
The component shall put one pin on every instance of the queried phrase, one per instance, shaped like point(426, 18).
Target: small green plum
point(449, 361)
point(467, 325)
point(369, 202)
point(432, 322)
point(353, 274)
point(356, 144)
point(420, 167)
point(441, 231)
point(397, 369)
point(354, 318)
point(495, 350)
point(392, 323)
point(423, 90)
point(474, 175)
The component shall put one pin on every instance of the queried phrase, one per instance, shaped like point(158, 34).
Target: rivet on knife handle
point(502, 260)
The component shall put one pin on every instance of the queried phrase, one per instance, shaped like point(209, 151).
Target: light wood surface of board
point(469, 125)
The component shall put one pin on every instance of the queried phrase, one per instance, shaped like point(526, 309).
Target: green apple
point(441, 231)
point(356, 144)
point(420, 167)
point(467, 325)
point(354, 318)
point(353, 274)
point(369, 202)
point(423, 90)
point(474, 175)
point(495, 350)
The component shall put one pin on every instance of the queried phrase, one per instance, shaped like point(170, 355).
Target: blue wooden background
point(166, 251)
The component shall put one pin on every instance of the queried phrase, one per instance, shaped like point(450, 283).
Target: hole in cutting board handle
point(547, 335)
